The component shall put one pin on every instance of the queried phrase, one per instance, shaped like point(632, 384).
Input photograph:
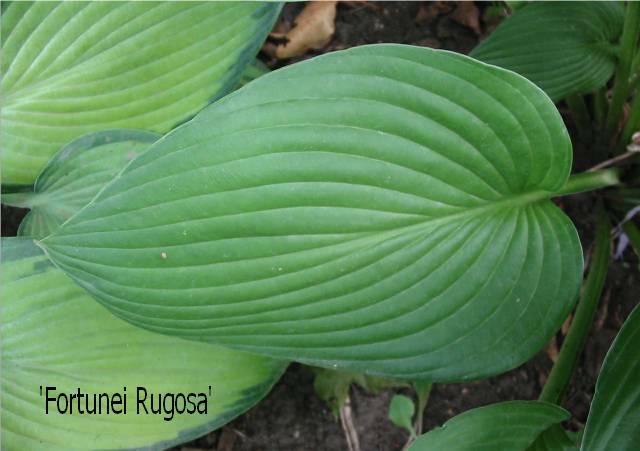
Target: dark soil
point(292, 417)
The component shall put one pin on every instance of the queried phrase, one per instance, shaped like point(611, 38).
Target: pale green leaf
point(71, 68)
point(75, 175)
point(401, 410)
point(564, 47)
point(54, 334)
point(382, 209)
point(614, 417)
point(507, 426)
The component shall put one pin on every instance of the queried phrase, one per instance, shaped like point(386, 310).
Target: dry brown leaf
point(552, 349)
point(467, 14)
point(313, 29)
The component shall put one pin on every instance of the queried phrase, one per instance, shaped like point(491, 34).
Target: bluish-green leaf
point(54, 334)
point(507, 426)
point(614, 418)
point(71, 68)
point(75, 175)
point(564, 47)
point(382, 209)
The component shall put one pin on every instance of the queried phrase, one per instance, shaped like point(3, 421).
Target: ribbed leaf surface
point(71, 68)
point(382, 209)
point(54, 334)
point(614, 417)
point(564, 47)
point(75, 175)
point(507, 426)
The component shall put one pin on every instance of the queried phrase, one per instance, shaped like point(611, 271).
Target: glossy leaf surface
point(614, 417)
point(54, 334)
point(564, 47)
point(75, 175)
point(507, 426)
point(71, 68)
point(382, 209)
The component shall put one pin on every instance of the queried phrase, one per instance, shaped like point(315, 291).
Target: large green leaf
point(71, 68)
point(564, 47)
point(75, 175)
point(507, 426)
point(54, 334)
point(614, 417)
point(382, 209)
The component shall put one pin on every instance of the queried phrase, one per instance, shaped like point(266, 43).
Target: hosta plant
point(613, 422)
point(382, 211)
point(70, 68)
point(571, 50)
point(54, 335)
point(388, 212)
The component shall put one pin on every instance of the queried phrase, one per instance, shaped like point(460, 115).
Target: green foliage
point(333, 386)
point(75, 175)
point(593, 286)
point(614, 417)
point(378, 211)
point(613, 422)
point(383, 209)
point(555, 439)
point(253, 71)
point(512, 426)
point(70, 68)
point(401, 410)
point(565, 47)
point(54, 334)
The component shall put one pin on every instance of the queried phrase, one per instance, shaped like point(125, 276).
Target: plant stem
point(581, 116)
point(348, 426)
point(632, 125)
point(623, 70)
point(20, 200)
point(589, 181)
point(600, 106)
point(562, 370)
point(635, 71)
point(422, 390)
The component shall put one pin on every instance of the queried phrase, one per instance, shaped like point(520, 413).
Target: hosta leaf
point(381, 209)
point(507, 426)
point(71, 68)
point(614, 417)
point(564, 47)
point(54, 334)
point(253, 71)
point(554, 439)
point(75, 175)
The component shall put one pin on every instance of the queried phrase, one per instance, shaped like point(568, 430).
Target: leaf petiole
point(621, 83)
point(589, 181)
